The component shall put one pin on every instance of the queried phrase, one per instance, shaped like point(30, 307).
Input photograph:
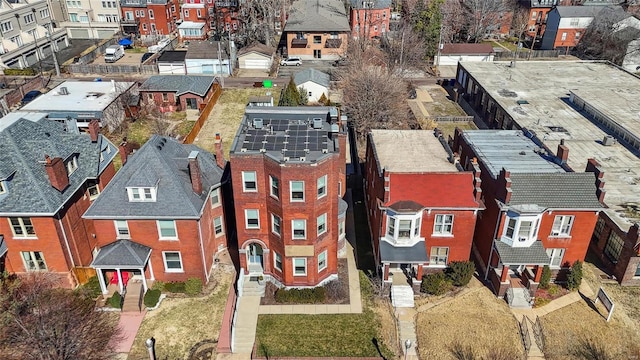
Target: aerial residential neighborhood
point(304, 179)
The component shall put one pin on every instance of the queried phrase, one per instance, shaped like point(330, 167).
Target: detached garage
point(256, 57)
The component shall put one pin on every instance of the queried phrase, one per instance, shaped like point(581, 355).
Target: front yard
point(179, 324)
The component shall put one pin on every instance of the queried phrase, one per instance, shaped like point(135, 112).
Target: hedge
point(435, 284)
point(114, 300)
point(151, 297)
point(301, 296)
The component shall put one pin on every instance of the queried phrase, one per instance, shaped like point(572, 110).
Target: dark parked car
point(28, 97)
point(145, 57)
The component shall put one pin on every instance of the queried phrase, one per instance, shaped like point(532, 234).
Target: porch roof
point(3, 246)
point(532, 255)
point(342, 208)
point(122, 253)
point(403, 254)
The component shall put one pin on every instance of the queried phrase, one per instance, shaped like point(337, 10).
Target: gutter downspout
point(495, 233)
point(204, 262)
point(66, 242)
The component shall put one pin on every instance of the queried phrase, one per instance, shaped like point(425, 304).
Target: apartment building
point(91, 19)
point(149, 17)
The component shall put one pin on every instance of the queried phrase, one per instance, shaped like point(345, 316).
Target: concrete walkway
point(245, 329)
point(407, 330)
point(128, 324)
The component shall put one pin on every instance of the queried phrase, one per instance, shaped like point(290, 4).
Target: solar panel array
point(290, 137)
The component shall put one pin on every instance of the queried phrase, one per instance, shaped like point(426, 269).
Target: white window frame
point(438, 257)
point(322, 184)
point(6, 26)
point(562, 225)
point(120, 235)
point(151, 15)
point(245, 180)
point(72, 165)
point(516, 239)
point(274, 184)
point(277, 258)
point(246, 219)
point(23, 227)
point(214, 196)
point(141, 194)
point(186, 13)
point(95, 188)
point(32, 258)
point(443, 221)
point(164, 260)
point(44, 13)
point(321, 224)
point(392, 231)
point(215, 227)
point(295, 270)
point(273, 224)
point(291, 191)
point(293, 229)
point(322, 261)
point(563, 37)
point(3, 187)
point(175, 230)
point(553, 254)
point(28, 17)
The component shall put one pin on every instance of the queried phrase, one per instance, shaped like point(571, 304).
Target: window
point(276, 224)
point(215, 197)
point(275, 186)
point(562, 226)
point(443, 225)
point(151, 14)
point(249, 181)
point(637, 273)
point(34, 261)
point(277, 261)
point(375, 27)
point(122, 228)
point(172, 261)
point(391, 226)
point(577, 35)
point(44, 13)
point(217, 226)
point(322, 224)
point(141, 194)
point(299, 228)
point(322, 261)
point(614, 246)
point(556, 257)
point(524, 230)
point(299, 267)
point(29, 18)
point(141, 13)
point(3, 187)
point(84, 18)
point(404, 228)
point(297, 190)
point(252, 219)
point(317, 39)
point(6, 26)
point(564, 36)
point(533, 15)
point(22, 227)
point(198, 13)
point(322, 186)
point(186, 13)
point(127, 15)
point(235, 26)
point(16, 40)
point(511, 226)
point(93, 189)
point(439, 256)
point(574, 22)
point(597, 232)
point(167, 229)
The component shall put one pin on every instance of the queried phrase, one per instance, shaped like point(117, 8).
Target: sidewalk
point(407, 330)
point(128, 324)
point(559, 303)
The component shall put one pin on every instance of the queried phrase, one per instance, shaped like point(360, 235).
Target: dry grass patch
point(476, 319)
point(575, 327)
point(179, 324)
point(383, 311)
point(441, 105)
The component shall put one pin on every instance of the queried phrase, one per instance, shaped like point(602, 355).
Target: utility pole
point(220, 64)
point(439, 50)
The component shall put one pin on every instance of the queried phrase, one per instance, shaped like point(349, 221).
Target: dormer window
point(72, 164)
point(3, 187)
point(141, 194)
point(521, 230)
point(403, 227)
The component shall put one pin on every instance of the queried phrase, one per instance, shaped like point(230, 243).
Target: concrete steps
point(132, 298)
point(402, 296)
point(252, 288)
point(520, 300)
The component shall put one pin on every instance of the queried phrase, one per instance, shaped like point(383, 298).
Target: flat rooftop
point(546, 86)
point(80, 96)
point(410, 151)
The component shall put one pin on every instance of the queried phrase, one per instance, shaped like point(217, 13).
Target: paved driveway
point(322, 65)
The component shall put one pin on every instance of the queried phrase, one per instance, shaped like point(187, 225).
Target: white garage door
point(79, 33)
point(262, 64)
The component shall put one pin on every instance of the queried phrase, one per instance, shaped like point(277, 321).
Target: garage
point(255, 58)
point(79, 33)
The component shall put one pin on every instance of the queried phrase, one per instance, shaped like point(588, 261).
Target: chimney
point(123, 149)
point(94, 130)
point(219, 154)
point(563, 152)
point(57, 173)
point(506, 175)
point(194, 173)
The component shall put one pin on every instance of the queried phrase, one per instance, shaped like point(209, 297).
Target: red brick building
point(537, 212)
point(162, 216)
point(566, 25)
point(369, 19)
point(149, 17)
point(288, 175)
point(225, 16)
point(170, 93)
point(422, 208)
point(196, 18)
point(48, 178)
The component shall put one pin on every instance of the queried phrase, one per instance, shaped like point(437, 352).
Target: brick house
point(196, 18)
point(538, 11)
point(566, 24)
point(224, 16)
point(317, 31)
point(149, 17)
point(171, 93)
point(288, 175)
point(369, 19)
point(418, 228)
point(537, 212)
point(48, 177)
point(166, 206)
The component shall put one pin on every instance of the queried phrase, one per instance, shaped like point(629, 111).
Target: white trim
point(560, 222)
point(446, 261)
point(325, 261)
point(244, 181)
point(443, 224)
point(246, 219)
point(23, 228)
point(271, 178)
point(320, 196)
point(275, 261)
point(516, 240)
point(325, 225)
point(552, 253)
point(3, 187)
point(142, 194)
point(175, 229)
point(291, 191)
point(273, 217)
point(215, 192)
point(164, 260)
point(118, 234)
point(393, 224)
point(221, 226)
point(293, 229)
point(32, 258)
point(97, 187)
point(293, 261)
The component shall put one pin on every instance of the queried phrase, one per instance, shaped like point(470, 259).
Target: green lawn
point(323, 335)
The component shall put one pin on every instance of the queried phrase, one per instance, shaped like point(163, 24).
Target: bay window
point(403, 227)
point(521, 230)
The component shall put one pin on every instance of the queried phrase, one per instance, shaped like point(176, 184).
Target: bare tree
point(404, 49)
point(519, 21)
point(454, 21)
point(260, 17)
point(484, 17)
point(122, 106)
point(40, 321)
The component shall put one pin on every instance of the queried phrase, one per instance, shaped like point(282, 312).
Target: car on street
point(30, 96)
point(291, 61)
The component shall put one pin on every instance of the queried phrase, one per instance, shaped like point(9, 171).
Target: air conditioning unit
point(523, 239)
point(608, 140)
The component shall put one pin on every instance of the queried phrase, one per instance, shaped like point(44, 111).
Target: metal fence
point(525, 55)
point(450, 119)
point(104, 69)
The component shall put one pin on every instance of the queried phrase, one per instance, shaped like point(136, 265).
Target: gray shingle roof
point(3, 246)
point(403, 254)
point(377, 4)
point(122, 253)
point(314, 15)
point(23, 146)
point(555, 190)
point(206, 50)
point(164, 163)
point(578, 11)
point(313, 75)
point(532, 255)
point(180, 84)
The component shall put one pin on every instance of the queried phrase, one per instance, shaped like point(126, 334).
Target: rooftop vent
point(258, 123)
point(317, 123)
point(522, 153)
point(522, 102)
point(608, 140)
point(63, 91)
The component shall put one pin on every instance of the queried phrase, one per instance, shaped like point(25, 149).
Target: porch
point(403, 265)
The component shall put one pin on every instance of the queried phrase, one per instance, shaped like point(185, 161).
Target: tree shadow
point(374, 341)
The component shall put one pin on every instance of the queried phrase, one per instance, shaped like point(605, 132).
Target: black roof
point(172, 56)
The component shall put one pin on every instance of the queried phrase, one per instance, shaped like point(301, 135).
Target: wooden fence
point(20, 85)
point(83, 274)
point(104, 69)
point(452, 119)
point(524, 55)
point(204, 114)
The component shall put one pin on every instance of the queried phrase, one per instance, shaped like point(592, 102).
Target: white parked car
point(290, 61)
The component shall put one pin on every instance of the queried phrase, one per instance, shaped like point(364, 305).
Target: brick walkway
point(128, 324)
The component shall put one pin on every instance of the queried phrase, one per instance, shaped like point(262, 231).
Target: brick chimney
point(563, 152)
point(219, 154)
point(57, 173)
point(124, 152)
point(506, 177)
point(94, 130)
point(594, 167)
point(194, 173)
point(477, 182)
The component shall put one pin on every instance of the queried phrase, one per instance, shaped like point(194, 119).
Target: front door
point(254, 258)
point(192, 104)
point(317, 54)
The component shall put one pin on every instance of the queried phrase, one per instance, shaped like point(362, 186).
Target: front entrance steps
point(402, 296)
point(132, 298)
point(252, 286)
point(520, 299)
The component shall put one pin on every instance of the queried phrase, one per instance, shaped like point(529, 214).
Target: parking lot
point(322, 65)
point(128, 59)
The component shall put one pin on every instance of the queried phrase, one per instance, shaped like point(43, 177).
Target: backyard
point(181, 323)
point(333, 335)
